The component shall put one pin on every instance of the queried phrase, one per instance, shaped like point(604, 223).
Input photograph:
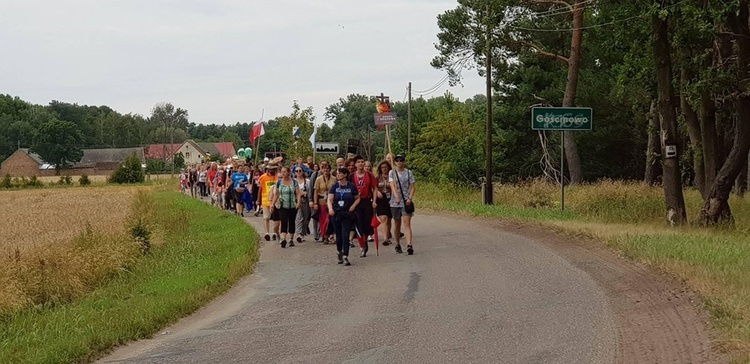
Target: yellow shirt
point(265, 182)
point(323, 185)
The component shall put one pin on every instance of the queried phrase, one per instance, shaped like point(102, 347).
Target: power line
point(560, 11)
point(456, 69)
point(590, 26)
point(581, 28)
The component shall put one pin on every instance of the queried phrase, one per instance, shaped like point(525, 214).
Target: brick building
point(24, 163)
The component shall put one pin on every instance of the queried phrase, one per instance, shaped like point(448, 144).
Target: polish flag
point(257, 131)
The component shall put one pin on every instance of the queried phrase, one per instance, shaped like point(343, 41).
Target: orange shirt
point(265, 182)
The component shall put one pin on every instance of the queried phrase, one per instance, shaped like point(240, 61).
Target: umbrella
point(375, 223)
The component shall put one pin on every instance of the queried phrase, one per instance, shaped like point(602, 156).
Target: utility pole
point(488, 191)
point(408, 135)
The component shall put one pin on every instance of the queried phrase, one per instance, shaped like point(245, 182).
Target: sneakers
point(299, 239)
point(351, 244)
point(398, 249)
point(371, 239)
point(341, 257)
point(267, 237)
point(346, 261)
point(283, 243)
point(275, 237)
point(291, 243)
point(387, 242)
point(363, 253)
point(409, 250)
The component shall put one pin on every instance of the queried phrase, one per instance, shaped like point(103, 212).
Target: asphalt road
point(471, 293)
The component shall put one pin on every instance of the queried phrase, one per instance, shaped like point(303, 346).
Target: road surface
point(475, 291)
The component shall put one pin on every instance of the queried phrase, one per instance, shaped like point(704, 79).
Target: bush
point(84, 180)
point(34, 182)
point(7, 182)
point(128, 172)
point(65, 180)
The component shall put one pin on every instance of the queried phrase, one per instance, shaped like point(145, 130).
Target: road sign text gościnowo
point(561, 118)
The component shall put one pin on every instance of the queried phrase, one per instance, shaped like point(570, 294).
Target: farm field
point(41, 217)
point(103, 178)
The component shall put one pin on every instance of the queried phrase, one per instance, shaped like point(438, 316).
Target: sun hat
point(272, 165)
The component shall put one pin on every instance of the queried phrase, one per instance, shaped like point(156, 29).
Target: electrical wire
point(455, 68)
point(590, 26)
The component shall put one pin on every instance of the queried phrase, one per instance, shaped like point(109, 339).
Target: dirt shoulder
point(659, 319)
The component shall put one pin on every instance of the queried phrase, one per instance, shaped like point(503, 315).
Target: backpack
point(295, 185)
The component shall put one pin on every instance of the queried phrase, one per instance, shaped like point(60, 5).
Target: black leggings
point(287, 217)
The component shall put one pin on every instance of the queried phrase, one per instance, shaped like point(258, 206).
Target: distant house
point(24, 163)
point(160, 151)
point(195, 153)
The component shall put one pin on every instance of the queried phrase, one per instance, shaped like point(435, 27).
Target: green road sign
point(561, 118)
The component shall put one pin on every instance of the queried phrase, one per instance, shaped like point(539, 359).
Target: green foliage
point(65, 180)
point(128, 172)
point(303, 119)
point(179, 161)
point(199, 260)
point(7, 182)
point(84, 180)
point(59, 143)
point(229, 136)
point(450, 149)
point(156, 166)
point(32, 182)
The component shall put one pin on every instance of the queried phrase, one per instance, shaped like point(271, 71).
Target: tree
point(229, 136)
point(676, 213)
point(302, 119)
point(130, 171)
point(59, 144)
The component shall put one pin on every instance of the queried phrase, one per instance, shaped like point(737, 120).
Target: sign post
point(562, 119)
point(384, 117)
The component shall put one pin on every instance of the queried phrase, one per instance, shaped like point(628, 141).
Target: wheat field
point(57, 244)
point(39, 217)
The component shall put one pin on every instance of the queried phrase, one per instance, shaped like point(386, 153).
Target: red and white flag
point(257, 131)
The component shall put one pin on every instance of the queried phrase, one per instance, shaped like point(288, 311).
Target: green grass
point(204, 252)
point(630, 217)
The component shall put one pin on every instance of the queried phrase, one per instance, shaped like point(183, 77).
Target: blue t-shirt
point(237, 178)
point(343, 196)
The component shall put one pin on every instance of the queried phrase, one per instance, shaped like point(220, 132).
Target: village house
point(195, 153)
point(24, 163)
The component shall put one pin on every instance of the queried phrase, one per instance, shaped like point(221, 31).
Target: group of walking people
point(339, 203)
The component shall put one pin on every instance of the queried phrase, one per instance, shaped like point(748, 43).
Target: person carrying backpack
point(287, 198)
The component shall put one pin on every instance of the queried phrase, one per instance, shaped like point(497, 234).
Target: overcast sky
point(223, 61)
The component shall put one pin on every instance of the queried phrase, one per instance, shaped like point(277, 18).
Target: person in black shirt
point(343, 199)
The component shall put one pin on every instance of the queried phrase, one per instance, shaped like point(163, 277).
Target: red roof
point(225, 148)
point(156, 151)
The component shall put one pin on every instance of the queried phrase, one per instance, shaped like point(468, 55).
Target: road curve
point(472, 293)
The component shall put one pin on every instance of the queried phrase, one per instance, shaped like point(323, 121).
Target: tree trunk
point(716, 206)
point(694, 132)
point(675, 201)
point(740, 184)
point(652, 150)
point(571, 149)
point(709, 141)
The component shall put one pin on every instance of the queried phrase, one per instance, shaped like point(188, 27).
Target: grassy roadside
point(629, 217)
point(203, 252)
